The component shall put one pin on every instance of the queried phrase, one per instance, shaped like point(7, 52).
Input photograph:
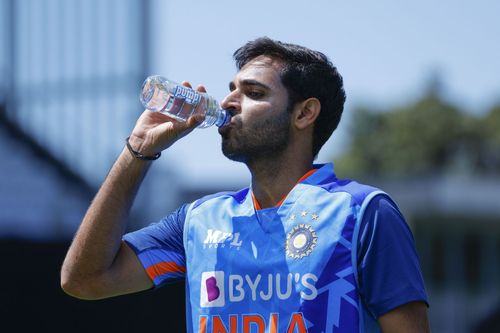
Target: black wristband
point(138, 155)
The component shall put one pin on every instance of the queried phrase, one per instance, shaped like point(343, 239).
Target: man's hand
point(155, 131)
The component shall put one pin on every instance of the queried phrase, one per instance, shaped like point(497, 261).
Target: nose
point(231, 102)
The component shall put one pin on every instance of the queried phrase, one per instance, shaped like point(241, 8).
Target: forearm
point(407, 318)
point(97, 241)
point(98, 264)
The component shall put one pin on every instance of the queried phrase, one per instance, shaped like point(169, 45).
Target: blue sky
point(386, 51)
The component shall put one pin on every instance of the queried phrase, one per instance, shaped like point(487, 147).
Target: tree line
point(426, 137)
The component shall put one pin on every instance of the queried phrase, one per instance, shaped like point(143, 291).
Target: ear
point(306, 112)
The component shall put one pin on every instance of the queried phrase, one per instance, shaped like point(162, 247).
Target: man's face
point(260, 126)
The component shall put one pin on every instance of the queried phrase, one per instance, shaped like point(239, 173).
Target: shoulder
point(360, 194)
point(382, 215)
point(214, 199)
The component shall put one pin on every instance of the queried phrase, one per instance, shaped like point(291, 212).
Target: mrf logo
point(218, 238)
point(212, 289)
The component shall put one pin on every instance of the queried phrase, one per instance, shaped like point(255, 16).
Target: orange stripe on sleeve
point(164, 267)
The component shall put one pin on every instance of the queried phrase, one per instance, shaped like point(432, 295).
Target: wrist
point(136, 149)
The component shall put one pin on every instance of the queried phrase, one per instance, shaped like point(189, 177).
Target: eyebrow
point(248, 82)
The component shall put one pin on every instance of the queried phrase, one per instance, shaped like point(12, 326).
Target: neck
point(274, 177)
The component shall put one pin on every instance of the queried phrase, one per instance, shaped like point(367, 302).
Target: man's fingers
point(201, 88)
point(194, 121)
point(186, 84)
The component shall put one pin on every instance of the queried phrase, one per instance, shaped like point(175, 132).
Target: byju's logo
point(212, 289)
point(218, 238)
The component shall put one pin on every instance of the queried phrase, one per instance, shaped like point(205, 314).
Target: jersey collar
point(316, 176)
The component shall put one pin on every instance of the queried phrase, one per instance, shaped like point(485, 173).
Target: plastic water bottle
point(179, 102)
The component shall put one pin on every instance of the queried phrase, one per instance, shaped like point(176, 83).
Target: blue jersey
point(333, 257)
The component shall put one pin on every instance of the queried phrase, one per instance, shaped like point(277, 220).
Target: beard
point(265, 138)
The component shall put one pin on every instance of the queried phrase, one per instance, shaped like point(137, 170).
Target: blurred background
point(422, 121)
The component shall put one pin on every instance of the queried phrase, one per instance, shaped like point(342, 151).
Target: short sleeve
point(388, 266)
point(160, 247)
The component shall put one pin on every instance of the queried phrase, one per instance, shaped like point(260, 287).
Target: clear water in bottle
point(179, 102)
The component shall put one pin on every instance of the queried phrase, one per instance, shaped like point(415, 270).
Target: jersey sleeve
point(388, 266)
point(160, 247)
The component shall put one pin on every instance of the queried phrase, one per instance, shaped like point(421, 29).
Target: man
point(297, 251)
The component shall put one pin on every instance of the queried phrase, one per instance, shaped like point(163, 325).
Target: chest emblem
point(301, 241)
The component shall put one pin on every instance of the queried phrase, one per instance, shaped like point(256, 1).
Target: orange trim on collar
point(256, 203)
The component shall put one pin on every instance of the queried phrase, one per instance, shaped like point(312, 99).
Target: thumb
point(194, 121)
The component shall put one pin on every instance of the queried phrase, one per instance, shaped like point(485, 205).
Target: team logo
point(300, 241)
point(212, 289)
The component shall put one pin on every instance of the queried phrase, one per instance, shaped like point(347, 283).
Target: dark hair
point(305, 74)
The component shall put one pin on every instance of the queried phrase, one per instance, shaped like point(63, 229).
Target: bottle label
point(188, 95)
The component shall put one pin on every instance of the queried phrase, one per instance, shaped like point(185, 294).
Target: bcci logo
point(300, 241)
point(212, 289)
